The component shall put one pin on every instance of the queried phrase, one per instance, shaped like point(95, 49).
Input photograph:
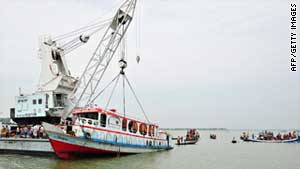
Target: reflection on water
point(219, 153)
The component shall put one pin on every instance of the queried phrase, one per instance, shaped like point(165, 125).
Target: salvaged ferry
point(98, 132)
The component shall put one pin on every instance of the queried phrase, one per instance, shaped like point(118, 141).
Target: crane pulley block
point(120, 18)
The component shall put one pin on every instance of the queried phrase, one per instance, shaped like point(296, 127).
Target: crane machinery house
point(48, 102)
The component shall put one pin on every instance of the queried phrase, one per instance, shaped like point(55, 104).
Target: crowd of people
point(269, 135)
point(13, 131)
point(191, 134)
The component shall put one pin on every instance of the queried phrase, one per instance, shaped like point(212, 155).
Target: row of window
point(133, 126)
point(34, 101)
point(20, 101)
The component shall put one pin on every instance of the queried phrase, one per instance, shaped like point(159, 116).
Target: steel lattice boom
point(86, 89)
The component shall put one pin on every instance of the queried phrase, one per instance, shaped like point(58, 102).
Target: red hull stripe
point(67, 150)
point(117, 132)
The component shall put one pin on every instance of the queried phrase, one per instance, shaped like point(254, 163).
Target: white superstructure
point(47, 103)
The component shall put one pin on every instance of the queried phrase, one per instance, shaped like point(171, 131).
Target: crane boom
point(85, 90)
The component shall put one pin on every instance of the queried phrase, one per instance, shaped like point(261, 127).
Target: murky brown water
point(207, 154)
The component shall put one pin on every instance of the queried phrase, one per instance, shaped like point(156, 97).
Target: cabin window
point(40, 101)
point(91, 115)
point(133, 126)
point(151, 130)
point(124, 124)
point(103, 120)
point(143, 129)
point(114, 121)
point(34, 101)
point(59, 100)
point(47, 98)
point(90, 122)
point(83, 121)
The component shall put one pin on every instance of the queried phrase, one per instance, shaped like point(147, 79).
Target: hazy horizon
point(211, 64)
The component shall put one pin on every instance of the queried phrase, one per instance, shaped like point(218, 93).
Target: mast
point(85, 91)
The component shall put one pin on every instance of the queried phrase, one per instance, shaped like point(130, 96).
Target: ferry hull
point(67, 150)
point(72, 147)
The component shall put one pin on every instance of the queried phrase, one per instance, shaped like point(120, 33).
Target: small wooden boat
point(269, 137)
point(233, 141)
point(295, 140)
point(185, 142)
point(213, 136)
point(192, 137)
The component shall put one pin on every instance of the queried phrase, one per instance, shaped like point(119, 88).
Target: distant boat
point(295, 140)
point(269, 137)
point(233, 141)
point(192, 137)
point(213, 136)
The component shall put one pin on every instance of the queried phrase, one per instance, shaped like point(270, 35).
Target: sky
point(209, 64)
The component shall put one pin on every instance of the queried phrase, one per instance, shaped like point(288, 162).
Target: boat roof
point(111, 112)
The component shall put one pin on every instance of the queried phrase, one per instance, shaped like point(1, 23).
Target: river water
point(206, 154)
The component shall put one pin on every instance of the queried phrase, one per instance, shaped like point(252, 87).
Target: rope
point(124, 105)
point(112, 92)
point(105, 88)
point(138, 28)
point(66, 35)
point(75, 43)
point(136, 98)
point(82, 29)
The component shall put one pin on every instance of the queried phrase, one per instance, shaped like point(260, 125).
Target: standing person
point(7, 131)
point(178, 140)
point(168, 140)
point(25, 131)
point(3, 131)
point(35, 131)
point(22, 132)
point(31, 132)
point(42, 133)
point(39, 133)
point(18, 131)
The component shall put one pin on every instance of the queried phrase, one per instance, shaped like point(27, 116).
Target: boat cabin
point(97, 118)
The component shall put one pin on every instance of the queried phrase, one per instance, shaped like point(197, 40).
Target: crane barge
point(66, 105)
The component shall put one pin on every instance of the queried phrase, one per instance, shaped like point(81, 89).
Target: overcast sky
point(203, 63)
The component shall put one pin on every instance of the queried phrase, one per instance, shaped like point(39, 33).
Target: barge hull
point(26, 146)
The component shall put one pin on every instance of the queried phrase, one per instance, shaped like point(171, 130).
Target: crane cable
point(112, 92)
point(138, 31)
point(136, 98)
point(83, 29)
point(125, 79)
point(73, 44)
point(94, 23)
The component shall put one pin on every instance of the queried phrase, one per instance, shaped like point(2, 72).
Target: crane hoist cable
point(94, 23)
point(82, 29)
